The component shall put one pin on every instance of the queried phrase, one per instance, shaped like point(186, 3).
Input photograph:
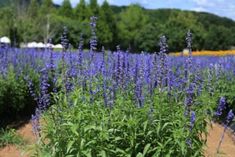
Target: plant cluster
point(119, 104)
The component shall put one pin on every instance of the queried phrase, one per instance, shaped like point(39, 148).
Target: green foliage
point(15, 99)
point(219, 37)
point(46, 7)
point(74, 127)
point(10, 137)
point(66, 9)
point(131, 21)
point(128, 26)
point(147, 36)
point(33, 9)
point(94, 7)
point(81, 11)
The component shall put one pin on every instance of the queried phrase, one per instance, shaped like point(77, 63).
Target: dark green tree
point(131, 22)
point(33, 9)
point(148, 37)
point(104, 33)
point(176, 27)
point(81, 11)
point(110, 20)
point(66, 9)
point(94, 7)
point(218, 38)
point(46, 7)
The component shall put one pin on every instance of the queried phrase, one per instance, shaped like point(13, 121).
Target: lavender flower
point(192, 120)
point(162, 70)
point(163, 45)
point(189, 42)
point(64, 39)
point(190, 93)
point(230, 117)
point(221, 106)
point(188, 65)
point(93, 40)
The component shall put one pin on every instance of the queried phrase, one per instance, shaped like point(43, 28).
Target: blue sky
point(224, 8)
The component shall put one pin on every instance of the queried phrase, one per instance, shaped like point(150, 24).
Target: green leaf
point(140, 155)
point(103, 153)
point(69, 146)
point(146, 148)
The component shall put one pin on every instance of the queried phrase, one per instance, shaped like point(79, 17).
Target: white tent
point(5, 40)
point(58, 46)
point(48, 45)
point(40, 45)
point(32, 45)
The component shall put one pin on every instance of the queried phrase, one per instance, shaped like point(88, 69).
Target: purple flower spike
point(221, 106)
point(93, 40)
point(192, 119)
point(230, 117)
point(189, 42)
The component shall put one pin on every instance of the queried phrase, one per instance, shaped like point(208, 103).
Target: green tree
point(81, 11)
point(103, 31)
point(148, 37)
point(10, 25)
point(94, 7)
point(218, 38)
point(107, 15)
point(66, 9)
point(33, 9)
point(176, 28)
point(131, 21)
point(46, 7)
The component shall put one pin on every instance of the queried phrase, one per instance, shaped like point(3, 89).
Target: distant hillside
point(165, 13)
point(131, 27)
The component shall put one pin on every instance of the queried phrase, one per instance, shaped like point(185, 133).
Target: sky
point(225, 8)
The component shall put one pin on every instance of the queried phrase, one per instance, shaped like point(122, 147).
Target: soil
point(227, 148)
point(13, 151)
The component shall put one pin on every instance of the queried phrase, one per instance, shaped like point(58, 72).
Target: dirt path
point(13, 151)
point(227, 147)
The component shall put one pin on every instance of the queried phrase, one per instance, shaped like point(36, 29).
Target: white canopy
point(58, 46)
point(48, 45)
point(5, 40)
point(40, 45)
point(32, 45)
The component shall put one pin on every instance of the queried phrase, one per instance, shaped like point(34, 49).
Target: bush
point(74, 127)
point(15, 99)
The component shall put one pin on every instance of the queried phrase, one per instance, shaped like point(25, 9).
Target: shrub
point(74, 127)
point(15, 99)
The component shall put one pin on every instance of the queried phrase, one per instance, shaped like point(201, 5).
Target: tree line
point(132, 27)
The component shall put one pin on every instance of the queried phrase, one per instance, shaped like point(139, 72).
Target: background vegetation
point(130, 27)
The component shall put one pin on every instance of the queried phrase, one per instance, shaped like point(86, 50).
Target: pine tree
point(94, 7)
point(81, 11)
point(106, 25)
point(66, 9)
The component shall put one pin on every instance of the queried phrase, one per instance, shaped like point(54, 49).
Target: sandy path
point(227, 148)
point(12, 151)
